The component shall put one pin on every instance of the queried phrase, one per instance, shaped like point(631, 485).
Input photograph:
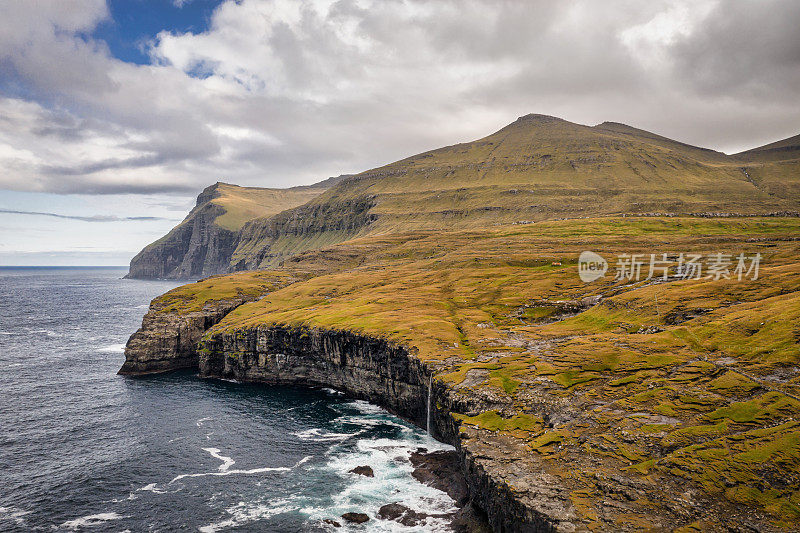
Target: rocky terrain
point(204, 242)
point(658, 401)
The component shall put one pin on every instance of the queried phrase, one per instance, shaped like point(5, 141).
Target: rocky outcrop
point(366, 367)
point(195, 248)
point(168, 340)
point(204, 242)
point(264, 241)
point(390, 375)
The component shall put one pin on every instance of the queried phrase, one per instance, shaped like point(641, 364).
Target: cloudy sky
point(114, 114)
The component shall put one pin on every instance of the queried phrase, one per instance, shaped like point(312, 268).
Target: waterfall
point(430, 386)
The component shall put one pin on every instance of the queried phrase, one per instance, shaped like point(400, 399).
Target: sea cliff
point(617, 406)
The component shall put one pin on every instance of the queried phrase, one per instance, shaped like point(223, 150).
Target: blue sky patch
point(136, 22)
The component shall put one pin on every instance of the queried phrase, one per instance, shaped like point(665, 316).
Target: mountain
point(537, 168)
point(447, 288)
point(784, 150)
point(203, 242)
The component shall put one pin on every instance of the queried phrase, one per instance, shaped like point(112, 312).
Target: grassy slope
point(243, 204)
point(687, 381)
point(710, 398)
point(544, 168)
point(196, 296)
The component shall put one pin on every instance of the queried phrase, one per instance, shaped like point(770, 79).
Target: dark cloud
point(747, 49)
point(92, 218)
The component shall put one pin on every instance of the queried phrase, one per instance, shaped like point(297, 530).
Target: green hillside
point(203, 242)
point(537, 168)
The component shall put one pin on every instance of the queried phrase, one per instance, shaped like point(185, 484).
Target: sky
point(115, 114)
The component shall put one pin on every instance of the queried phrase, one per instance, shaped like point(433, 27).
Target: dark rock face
point(196, 248)
point(441, 470)
point(357, 518)
point(363, 471)
point(168, 341)
point(367, 368)
point(344, 219)
point(405, 515)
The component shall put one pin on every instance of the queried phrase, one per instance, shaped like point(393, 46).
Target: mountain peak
point(542, 119)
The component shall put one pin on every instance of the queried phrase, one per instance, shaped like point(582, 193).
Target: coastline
point(363, 367)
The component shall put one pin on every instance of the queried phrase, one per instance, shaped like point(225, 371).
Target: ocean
point(82, 449)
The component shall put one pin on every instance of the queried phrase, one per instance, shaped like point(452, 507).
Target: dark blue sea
point(82, 449)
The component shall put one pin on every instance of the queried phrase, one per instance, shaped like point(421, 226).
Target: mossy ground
point(691, 381)
point(196, 296)
point(243, 204)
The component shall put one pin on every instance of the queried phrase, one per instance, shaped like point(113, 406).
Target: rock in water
point(441, 470)
point(363, 470)
point(358, 518)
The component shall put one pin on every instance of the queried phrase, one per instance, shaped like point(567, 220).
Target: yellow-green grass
point(196, 296)
point(243, 204)
point(710, 370)
point(538, 169)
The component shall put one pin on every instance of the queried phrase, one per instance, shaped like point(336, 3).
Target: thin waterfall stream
point(430, 387)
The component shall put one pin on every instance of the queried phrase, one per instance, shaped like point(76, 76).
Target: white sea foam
point(115, 348)
point(153, 487)
point(227, 462)
point(320, 435)
point(241, 472)
point(91, 520)
point(200, 421)
point(245, 512)
point(382, 420)
point(232, 472)
point(14, 514)
point(392, 482)
point(366, 407)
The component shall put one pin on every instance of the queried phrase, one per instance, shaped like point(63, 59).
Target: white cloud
point(279, 93)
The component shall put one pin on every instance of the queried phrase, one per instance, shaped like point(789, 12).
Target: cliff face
point(178, 319)
point(264, 242)
point(168, 340)
point(204, 242)
point(387, 374)
point(195, 248)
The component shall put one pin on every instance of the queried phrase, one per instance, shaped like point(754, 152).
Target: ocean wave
point(383, 420)
point(14, 514)
point(48, 332)
point(245, 512)
point(366, 407)
point(261, 470)
point(91, 520)
point(320, 435)
point(115, 348)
